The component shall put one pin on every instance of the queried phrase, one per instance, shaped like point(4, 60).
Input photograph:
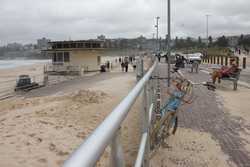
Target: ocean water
point(8, 64)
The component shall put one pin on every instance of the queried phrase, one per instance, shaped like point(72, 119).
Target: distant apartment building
point(75, 56)
point(14, 46)
point(29, 47)
point(43, 43)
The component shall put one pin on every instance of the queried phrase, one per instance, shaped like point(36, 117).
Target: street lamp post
point(157, 33)
point(207, 15)
point(169, 40)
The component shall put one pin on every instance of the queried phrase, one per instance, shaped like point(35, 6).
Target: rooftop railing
point(108, 132)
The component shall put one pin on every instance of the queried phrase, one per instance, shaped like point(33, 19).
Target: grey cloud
point(27, 20)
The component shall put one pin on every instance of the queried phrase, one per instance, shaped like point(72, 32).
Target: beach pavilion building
point(74, 57)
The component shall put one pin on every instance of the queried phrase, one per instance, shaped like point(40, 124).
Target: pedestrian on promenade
point(108, 65)
point(126, 66)
point(195, 66)
point(122, 66)
point(159, 57)
point(134, 65)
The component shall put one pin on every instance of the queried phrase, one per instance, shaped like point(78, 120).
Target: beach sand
point(43, 131)
point(8, 77)
point(189, 148)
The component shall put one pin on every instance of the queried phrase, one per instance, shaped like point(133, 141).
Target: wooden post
point(226, 61)
point(237, 61)
point(244, 62)
point(222, 60)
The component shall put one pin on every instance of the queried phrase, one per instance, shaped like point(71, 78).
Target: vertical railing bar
point(141, 151)
point(150, 113)
point(144, 144)
point(116, 158)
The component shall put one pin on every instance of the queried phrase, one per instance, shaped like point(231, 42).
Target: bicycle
point(167, 121)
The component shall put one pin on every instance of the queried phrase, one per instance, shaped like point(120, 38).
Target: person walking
point(195, 66)
point(134, 65)
point(126, 66)
point(126, 62)
point(122, 66)
point(159, 57)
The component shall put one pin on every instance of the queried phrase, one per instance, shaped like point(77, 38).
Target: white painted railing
point(108, 132)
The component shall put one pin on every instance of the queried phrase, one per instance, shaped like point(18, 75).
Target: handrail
point(89, 152)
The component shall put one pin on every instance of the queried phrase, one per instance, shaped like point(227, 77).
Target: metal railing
point(108, 132)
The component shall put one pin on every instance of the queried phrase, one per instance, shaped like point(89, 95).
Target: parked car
point(194, 57)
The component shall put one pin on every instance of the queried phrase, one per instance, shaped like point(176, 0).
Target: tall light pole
point(207, 15)
point(157, 33)
point(169, 41)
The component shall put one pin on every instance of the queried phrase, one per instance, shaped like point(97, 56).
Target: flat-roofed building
point(75, 57)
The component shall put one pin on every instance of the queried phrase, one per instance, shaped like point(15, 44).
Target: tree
point(210, 40)
point(199, 44)
point(222, 41)
point(199, 40)
point(241, 39)
point(176, 40)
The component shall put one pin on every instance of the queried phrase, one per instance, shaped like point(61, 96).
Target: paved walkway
point(75, 84)
point(206, 114)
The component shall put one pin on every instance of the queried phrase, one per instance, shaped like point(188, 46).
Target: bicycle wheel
point(158, 130)
point(175, 125)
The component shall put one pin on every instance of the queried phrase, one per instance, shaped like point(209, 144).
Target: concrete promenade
point(208, 114)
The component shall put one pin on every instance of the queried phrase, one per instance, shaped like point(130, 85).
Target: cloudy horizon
point(26, 21)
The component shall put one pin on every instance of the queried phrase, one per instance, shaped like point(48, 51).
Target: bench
point(234, 78)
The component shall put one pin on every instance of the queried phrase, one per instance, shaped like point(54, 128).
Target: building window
point(53, 46)
point(66, 45)
point(73, 45)
point(54, 57)
point(59, 57)
point(87, 45)
point(66, 57)
point(79, 45)
point(96, 45)
point(59, 45)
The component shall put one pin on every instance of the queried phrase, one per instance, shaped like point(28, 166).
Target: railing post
point(244, 63)
point(116, 158)
point(139, 72)
point(145, 116)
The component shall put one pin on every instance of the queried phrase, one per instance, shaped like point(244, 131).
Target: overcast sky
point(27, 20)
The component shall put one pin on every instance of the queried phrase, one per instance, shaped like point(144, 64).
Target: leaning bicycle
point(166, 121)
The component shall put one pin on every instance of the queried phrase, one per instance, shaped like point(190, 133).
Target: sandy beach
point(9, 76)
point(35, 131)
point(189, 148)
